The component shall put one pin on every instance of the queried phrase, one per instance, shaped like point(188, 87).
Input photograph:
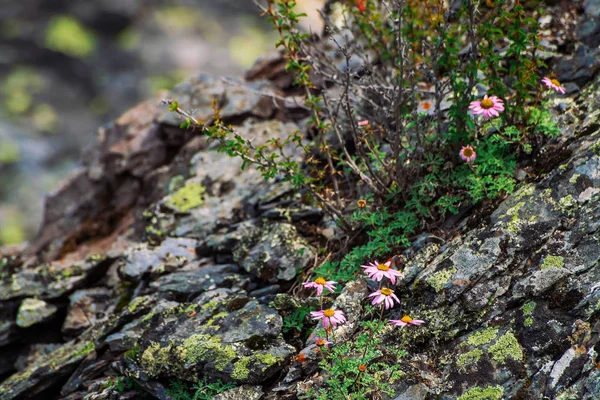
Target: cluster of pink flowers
point(491, 107)
point(329, 317)
point(385, 296)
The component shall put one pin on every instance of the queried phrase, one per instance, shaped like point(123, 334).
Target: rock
point(128, 336)
point(87, 307)
point(170, 255)
point(53, 280)
point(34, 352)
point(34, 311)
point(55, 366)
point(235, 339)
point(276, 254)
point(186, 284)
point(244, 392)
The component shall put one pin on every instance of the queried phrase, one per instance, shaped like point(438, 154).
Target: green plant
point(201, 390)
point(295, 320)
point(390, 139)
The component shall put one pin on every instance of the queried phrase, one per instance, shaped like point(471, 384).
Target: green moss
point(507, 346)
point(188, 197)
point(468, 358)
point(553, 261)
point(67, 35)
point(487, 393)
point(528, 322)
point(84, 349)
point(528, 307)
point(440, 279)
point(133, 353)
point(482, 337)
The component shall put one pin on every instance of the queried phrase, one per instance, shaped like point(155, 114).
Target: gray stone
point(244, 392)
point(169, 256)
point(34, 311)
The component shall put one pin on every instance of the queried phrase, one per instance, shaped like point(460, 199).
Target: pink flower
point(329, 316)
point(489, 106)
point(406, 320)
point(322, 342)
point(364, 122)
point(385, 296)
point(377, 271)
point(467, 153)
point(554, 84)
point(319, 284)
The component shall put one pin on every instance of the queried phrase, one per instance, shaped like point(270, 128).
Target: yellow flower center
point(329, 312)
point(487, 103)
point(467, 152)
point(406, 319)
point(320, 342)
point(320, 281)
point(555, 82)
point(383, 267)
point(386, 291)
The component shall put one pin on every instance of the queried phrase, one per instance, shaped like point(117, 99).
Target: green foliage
point(359, 369)
point(406, 157)
point(295, 320)
point(202, 390)
point(125, 384)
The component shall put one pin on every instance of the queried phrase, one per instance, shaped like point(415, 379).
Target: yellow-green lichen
point(240, 369)
point(515, 222)
point(553, 262)
point(136, 303)
point(268, 360)
point(482, 337)
point(67, 35)
point(567, 203)
point(574, 178)
point(210, 306)
point(525, 191)
point(217, 316)
point(507, 346)
point(528, 321)
point(189, 196)
point(207, 348)
point(440, 279)
point(468, 358)
point(156, 358)
point(479, 393)
point(84, 349)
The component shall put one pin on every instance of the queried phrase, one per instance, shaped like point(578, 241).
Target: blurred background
point(70, 66)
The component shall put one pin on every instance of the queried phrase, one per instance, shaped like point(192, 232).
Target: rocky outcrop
point(161, 260)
